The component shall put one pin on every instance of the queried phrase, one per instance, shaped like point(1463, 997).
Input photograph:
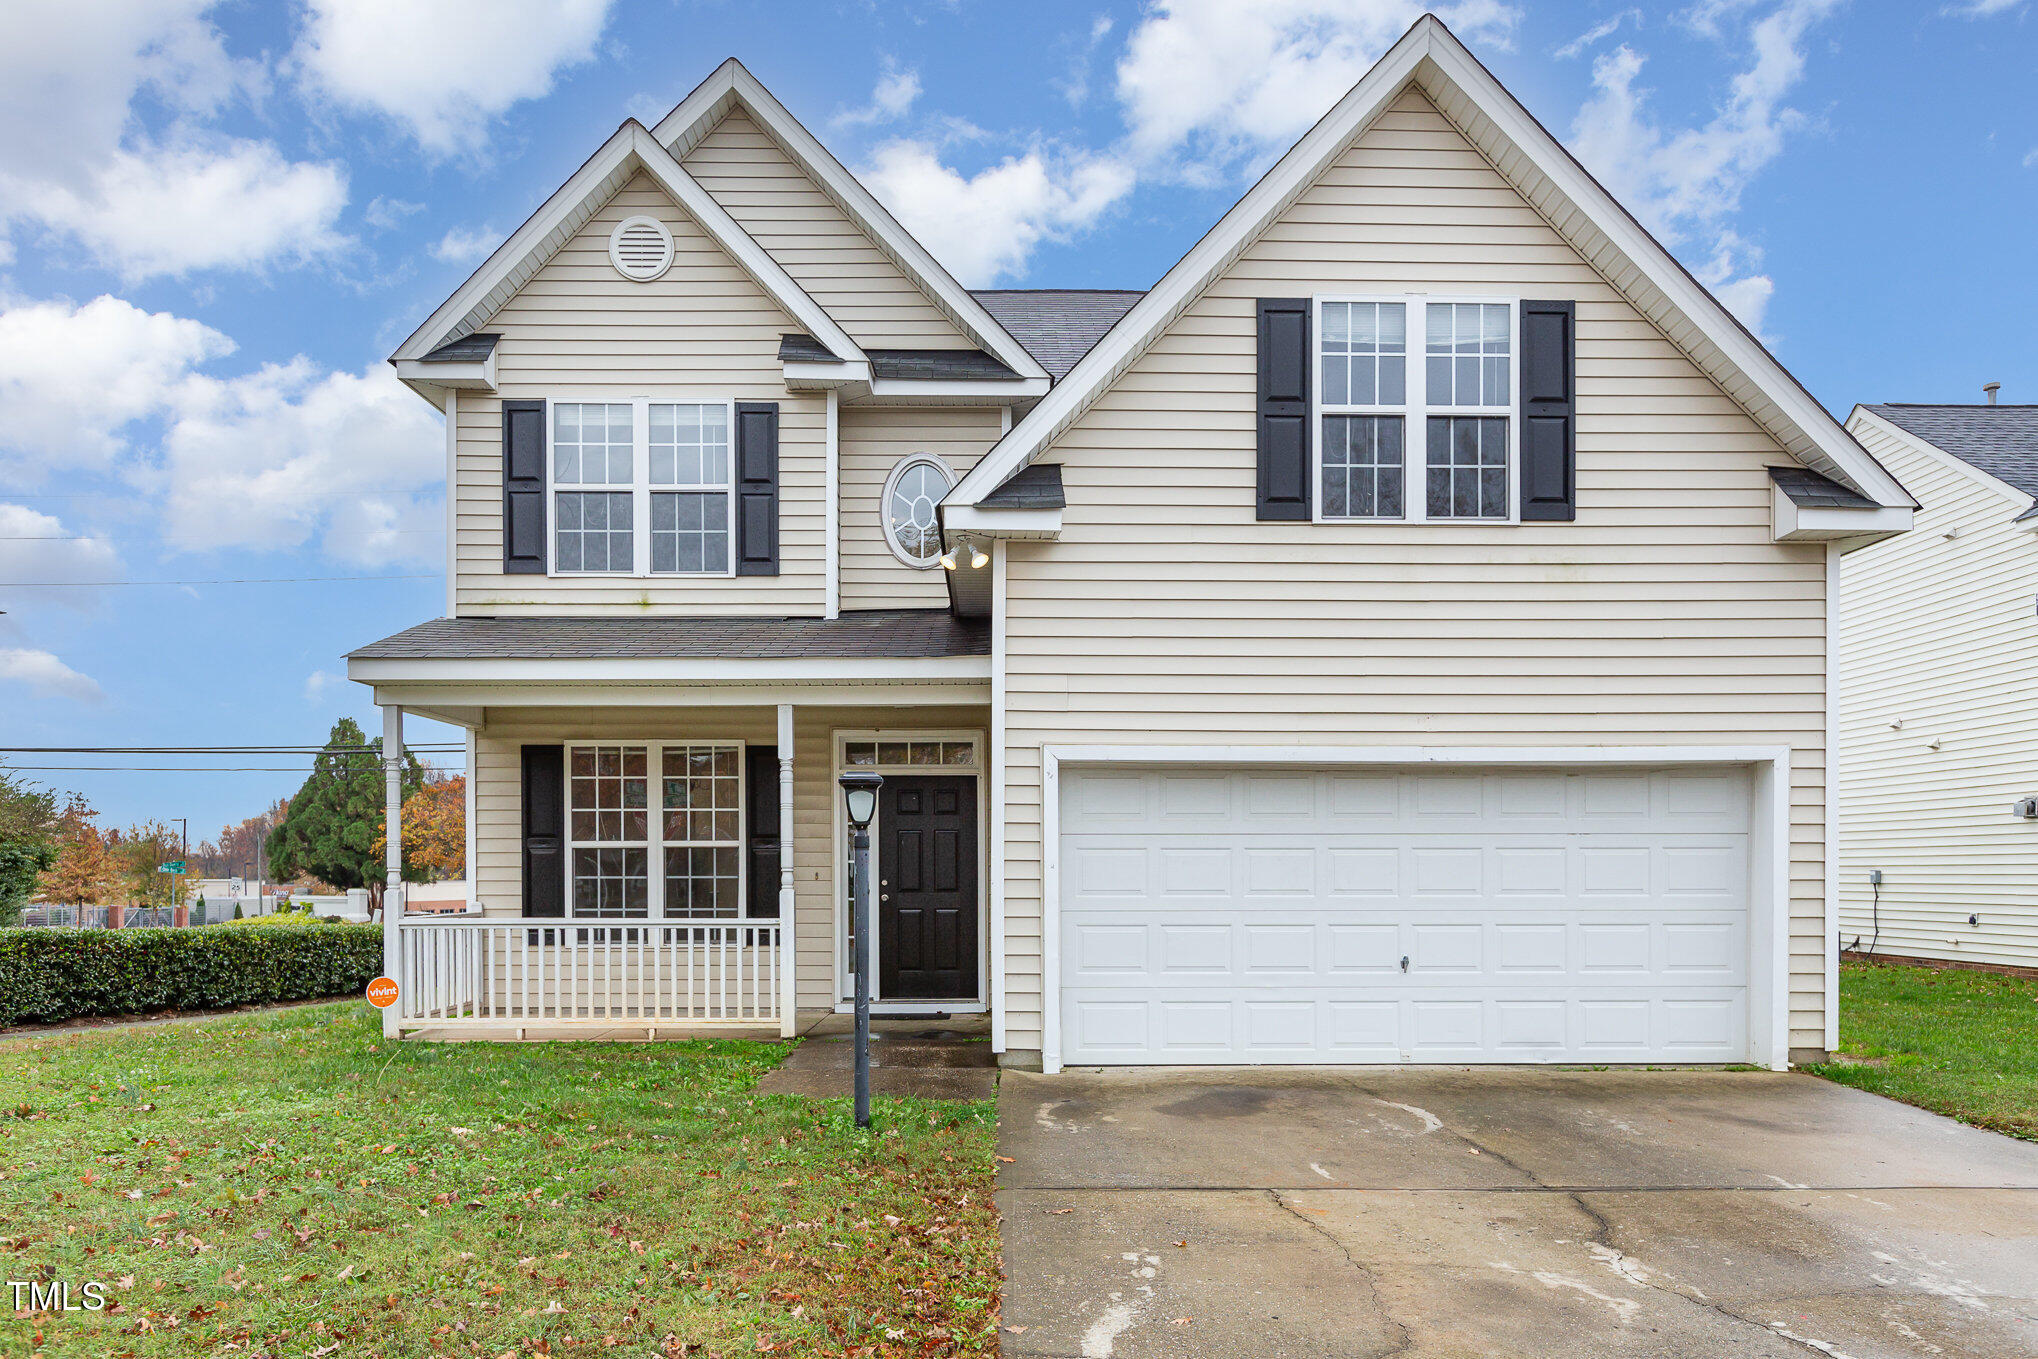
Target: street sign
point(174, 866)
point(382, 992)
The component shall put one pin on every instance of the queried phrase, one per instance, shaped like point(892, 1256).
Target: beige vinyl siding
point(815, 241)
point(498, 809)
point(581, 331)
point(1666, 615)
point(873, 440)
point(1939, 635)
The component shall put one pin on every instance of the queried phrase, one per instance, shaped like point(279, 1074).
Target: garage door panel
point(1248, 916)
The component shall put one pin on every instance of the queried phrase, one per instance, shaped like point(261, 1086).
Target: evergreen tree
point(28, 824)
point(333, 826)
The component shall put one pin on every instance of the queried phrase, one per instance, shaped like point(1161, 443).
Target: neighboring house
point(1400, 635)
point(1938, 699)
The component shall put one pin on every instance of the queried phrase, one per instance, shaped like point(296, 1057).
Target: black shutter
point(1283, 410)
point(756, 488)
point(523, 488)
point(761, 776)
point(544, 833)
point(1549, 411)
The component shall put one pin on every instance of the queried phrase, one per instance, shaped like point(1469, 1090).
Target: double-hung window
point(655, 830)
point(1416, 435)
point(642, 488)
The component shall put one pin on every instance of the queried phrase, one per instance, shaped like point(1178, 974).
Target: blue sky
point(220, 218)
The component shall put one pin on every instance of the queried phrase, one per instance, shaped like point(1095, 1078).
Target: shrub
point(52, 974)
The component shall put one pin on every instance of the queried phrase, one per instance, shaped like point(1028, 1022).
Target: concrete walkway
point(1506, 1212)
point(925, 1058)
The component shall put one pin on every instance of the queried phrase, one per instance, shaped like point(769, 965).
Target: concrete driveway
point(1506, 1212)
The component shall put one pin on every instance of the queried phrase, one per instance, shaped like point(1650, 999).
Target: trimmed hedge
point(53, 974)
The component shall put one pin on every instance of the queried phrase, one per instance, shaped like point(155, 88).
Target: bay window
point(641, 488)
point(1423, 441)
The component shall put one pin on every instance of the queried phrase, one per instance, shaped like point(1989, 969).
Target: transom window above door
point(1427, 436)
point(912, 491)
point(641, 488)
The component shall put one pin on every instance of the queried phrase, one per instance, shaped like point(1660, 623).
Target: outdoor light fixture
point(859, 799)
point(978, 558)
point(948, 559)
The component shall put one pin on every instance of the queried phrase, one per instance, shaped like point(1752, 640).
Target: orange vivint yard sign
point(382, 992)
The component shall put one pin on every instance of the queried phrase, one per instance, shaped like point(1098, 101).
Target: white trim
point(978, 769)
point(453, 503)
point(832, 439)
point(471, 738)
point(1791, 522)
point(999, 553)
point(884, 507)
point(1001, 523)
point(1430, 49)
point(1769, 847)
point(475, 375)
point(693, 116)
point(615, 254)
point(917, 391)
point(531, 245)
point(788, 895)
point(1830, 996)
point(587, 672)
point(639, 488)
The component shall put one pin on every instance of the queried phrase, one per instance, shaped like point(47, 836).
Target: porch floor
point(812, 1024)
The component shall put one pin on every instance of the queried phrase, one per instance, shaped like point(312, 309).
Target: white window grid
point(652, 832)
point(666, 472)
point(1415, 410)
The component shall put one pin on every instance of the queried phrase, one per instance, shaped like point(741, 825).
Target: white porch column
point(392, 891)
point(789, 952)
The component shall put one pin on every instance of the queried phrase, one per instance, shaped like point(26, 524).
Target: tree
point(238, 852)
point(28, 824)
point(81, 872)
point(330, 828)
point(434, 828)
point(138, 855)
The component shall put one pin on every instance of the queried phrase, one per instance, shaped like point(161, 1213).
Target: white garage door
point(1378, 915)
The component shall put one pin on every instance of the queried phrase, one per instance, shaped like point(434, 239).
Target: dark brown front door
point(927, 887)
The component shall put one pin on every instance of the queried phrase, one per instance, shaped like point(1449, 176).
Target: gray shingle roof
point(466, 349)
point(1999, 440)
point(1057, 325)
point(938, 365)
point(1034, 487)
point(1807, 488)
point(797, 348)
point(891, 634)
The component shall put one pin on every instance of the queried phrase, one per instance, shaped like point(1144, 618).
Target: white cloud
point(44, 674)
point(890, 100)
point(74, 378)
point(2031, 158)
point(442, 70)
point(1981, 9)
point(1605, 28)
point(39, 547)
point(268, 459)
point(462, 246)
point(386, 214)
point(1685, 184)
point(1214, 86)
point(184, 199)
point(320, 685)
point(1075, 86)
point(985, 226)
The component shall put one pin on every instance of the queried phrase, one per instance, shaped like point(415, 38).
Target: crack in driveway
point(1406, 1337)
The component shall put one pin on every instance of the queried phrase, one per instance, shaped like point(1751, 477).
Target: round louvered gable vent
point(640, 248)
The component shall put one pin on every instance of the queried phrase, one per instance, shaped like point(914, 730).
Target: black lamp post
point(859, 797)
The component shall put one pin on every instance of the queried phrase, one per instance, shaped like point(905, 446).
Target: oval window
point(912, 491)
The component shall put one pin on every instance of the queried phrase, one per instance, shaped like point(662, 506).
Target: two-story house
point(1399, 635)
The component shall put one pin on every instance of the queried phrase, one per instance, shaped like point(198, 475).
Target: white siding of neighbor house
point(498, 808)
point(581, 331)
point(1940, 634)
point(812, 239)
point(1666, 615)
point(873, 440)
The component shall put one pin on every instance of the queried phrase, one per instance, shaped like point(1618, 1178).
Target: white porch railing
point(496, 973)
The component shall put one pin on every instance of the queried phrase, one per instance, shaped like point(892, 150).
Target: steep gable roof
point(631, 151)
point(1057, 325)
point(2001, 441)
point(732, 85)
point(1559, 189)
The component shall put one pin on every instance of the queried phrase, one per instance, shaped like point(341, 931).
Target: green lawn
point(1956, 1042)
point(290, 1184)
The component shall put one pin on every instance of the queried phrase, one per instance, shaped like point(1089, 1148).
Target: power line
point(221, 750)
point(223, 580)
point(158, 769)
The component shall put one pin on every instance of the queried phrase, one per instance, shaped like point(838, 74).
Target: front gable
point(830, 256)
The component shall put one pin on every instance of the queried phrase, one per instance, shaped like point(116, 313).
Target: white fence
point(537, 972)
